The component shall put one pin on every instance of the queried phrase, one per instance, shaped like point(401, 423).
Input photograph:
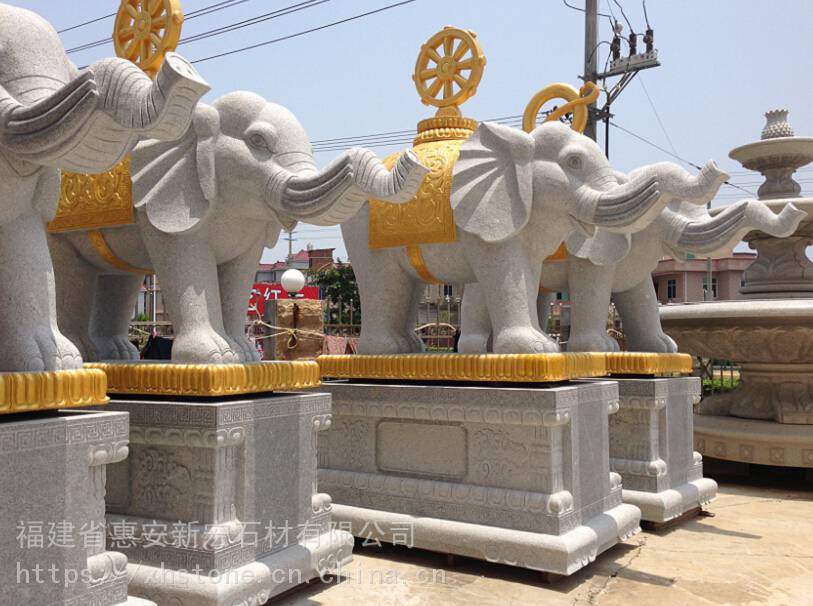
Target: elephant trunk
point(722, 232)
point(636, 203)
point(678, 184)
point(61, 130)
point(46, 127)
point(617, 207)
point(159, 109)
point(337, 192)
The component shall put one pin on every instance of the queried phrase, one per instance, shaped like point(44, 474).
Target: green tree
point(338, 287)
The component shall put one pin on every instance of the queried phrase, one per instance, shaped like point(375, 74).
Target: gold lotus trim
point(638, 363)
point(51, 390)
point(147, 378)
point(510, 368)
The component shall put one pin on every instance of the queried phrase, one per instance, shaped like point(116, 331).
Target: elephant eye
point(257, 141)
point(574, 162)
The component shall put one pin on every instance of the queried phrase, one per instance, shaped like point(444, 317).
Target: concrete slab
point(756, 550)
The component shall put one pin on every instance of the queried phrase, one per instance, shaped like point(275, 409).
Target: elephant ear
point(492, 185)
point(602, 248)
point(175, 182)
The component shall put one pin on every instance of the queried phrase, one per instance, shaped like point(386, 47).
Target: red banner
point(262, 292)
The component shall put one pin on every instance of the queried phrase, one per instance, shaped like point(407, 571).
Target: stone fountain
point(768, 419)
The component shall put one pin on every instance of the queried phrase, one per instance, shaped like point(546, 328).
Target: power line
point(576, 8)
point(657, 115)
point(294, 8)
point(77, 26)
point(206, 10)
point(684, 160)
point(304, 32)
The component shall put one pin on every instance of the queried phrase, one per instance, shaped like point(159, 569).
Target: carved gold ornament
point(508, 368)
point(427, 218)
point(576, 101)
point(145, 30)
point(147, 378)
point(639, 363)
point(94, 201)
point(34, 391)
point(449, 68)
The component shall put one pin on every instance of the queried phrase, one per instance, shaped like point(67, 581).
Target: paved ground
point(757, 549)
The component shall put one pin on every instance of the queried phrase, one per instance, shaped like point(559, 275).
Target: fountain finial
point(776, 125)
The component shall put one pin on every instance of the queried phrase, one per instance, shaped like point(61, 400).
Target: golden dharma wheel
point(576, 101)
point(145, 30)
point(449, 67)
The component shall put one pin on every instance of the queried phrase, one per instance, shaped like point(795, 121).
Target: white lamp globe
point(292, 280)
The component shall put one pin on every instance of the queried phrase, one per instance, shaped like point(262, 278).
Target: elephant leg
point(388, 295)
point(590, 289)
point(236, 278)
point(28, 314)
point(187, 273)
point(510, 283)
point(113, 309)
point(75, 282)
point(475, 324)
point(638, 308)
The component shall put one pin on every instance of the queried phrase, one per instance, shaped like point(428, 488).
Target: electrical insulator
point(633, 40)
point(615, 48)
point(649, 40)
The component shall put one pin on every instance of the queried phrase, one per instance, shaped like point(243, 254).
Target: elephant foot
point(597, 341)
point(244, 348)
point(115, 348)
point(524, 340)
point(39, 349)
point(473, 343)
point(654, 343)
point(85, 345)
point(203, 347)
point(384, 342)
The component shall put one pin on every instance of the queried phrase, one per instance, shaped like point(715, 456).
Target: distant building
point(678, 281)
point(308, 261)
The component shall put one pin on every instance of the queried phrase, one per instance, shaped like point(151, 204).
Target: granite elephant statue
point(515, 196)
point(602, 267)
point(53, 116)
point(205, 208)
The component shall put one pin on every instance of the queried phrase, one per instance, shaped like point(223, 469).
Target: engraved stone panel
point(437, 450)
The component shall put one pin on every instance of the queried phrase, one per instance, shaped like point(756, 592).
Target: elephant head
point(504, 174)
point(90, 123)
point(257, 154)
point(687, 228)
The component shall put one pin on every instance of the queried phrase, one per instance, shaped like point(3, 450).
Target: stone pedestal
point(52, 473)
point(651, 447)
point(517, 475)
point(217, 503)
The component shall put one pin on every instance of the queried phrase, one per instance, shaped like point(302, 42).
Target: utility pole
point(290, 238)
point(708, 292)
point(590, 58)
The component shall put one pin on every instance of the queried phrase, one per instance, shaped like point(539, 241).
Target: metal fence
point(717, 376)
point(437, 322)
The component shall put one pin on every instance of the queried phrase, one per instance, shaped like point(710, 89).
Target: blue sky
point(725, 62)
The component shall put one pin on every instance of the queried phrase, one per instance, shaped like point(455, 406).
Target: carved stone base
point(750, 441)
point(651, 447)
point(559, 554)
point(518, 475)
point(217, 504)
point(774, 392)
point(52, 470)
